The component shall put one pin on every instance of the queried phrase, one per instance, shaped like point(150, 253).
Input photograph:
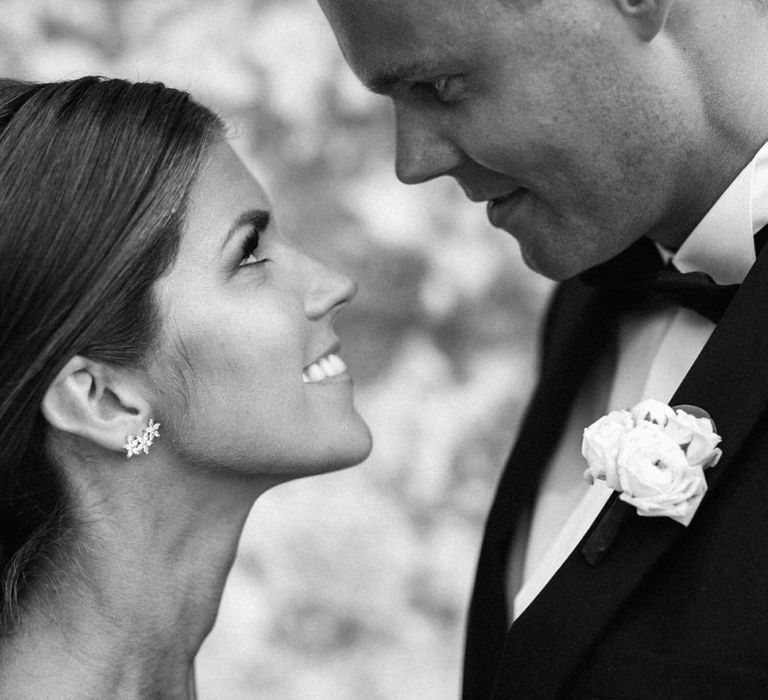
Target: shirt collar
point(722, 243)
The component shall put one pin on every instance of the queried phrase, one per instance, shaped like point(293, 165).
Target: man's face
point(556, 114)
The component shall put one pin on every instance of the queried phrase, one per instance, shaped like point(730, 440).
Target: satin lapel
point(578, 330)
point(581, 327)
point(730, 381)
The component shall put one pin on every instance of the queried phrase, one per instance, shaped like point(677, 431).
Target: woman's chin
point(363, 445)
point(353, 447)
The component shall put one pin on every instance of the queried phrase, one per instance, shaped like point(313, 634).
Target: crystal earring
point(142, 443)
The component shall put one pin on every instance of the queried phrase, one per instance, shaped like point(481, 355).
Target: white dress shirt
point(656, 350)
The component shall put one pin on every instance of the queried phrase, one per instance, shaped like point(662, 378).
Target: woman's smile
point(327, 368)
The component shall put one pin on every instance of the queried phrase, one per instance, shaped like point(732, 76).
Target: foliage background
point(353, 584)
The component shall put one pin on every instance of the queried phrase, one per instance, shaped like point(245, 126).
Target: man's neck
point(726, 101)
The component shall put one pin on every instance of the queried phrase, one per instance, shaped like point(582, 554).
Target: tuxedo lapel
point(578, 330)
point(582, 326)
point(730, 381)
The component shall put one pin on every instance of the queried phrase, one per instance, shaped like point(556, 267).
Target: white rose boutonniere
point(655, 456)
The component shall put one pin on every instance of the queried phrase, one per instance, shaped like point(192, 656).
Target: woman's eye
point(251, 254)
point(251, 259)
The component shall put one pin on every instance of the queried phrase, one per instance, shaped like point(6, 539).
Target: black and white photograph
point(383, 349)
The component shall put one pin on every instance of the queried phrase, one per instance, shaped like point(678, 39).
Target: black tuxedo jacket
point(658, 610)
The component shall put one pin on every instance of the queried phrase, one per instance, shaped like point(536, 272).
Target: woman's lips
point(329, 366)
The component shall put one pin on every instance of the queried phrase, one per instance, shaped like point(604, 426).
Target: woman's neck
point(127, 611)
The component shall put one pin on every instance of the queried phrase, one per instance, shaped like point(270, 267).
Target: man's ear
point(648, 16)
point(96, 402)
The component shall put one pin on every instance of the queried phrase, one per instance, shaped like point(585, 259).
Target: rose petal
point(652, 411)
point(600, 445)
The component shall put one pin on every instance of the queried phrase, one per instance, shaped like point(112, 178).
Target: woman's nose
point(327, 290)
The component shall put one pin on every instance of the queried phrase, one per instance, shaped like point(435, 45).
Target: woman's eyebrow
point(253, 218)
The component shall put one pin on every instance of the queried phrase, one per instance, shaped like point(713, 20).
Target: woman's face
point(249, 372)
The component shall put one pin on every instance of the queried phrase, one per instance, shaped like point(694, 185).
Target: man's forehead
point(356, 20)
point(387, 39)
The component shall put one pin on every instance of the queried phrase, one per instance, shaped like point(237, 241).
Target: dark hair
point(94, 178)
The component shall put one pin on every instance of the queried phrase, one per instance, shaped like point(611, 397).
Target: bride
point(166, 356)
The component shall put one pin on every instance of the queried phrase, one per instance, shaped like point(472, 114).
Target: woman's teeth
point(329, 366)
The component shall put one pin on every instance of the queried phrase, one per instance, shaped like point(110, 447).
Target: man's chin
point(553, 266)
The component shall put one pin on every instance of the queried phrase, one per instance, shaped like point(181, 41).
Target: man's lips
point(489, 195)
point(500, 209)
point(500, 199)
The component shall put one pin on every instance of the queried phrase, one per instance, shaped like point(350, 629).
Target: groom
point(608, 137)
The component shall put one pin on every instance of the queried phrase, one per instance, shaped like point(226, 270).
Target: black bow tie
point(638, 274)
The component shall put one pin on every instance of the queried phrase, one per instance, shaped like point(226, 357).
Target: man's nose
point(327, 290)
point(423, 152)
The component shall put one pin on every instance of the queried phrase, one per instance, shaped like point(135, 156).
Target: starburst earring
point(142, 443)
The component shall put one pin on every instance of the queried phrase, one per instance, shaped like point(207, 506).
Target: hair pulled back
point(94, 178)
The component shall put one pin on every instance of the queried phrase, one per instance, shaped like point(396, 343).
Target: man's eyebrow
point(394, 73)
point(253, 218)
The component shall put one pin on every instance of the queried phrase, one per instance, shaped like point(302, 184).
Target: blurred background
point(354, 584)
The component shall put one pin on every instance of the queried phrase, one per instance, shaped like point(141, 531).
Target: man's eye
point(446, 89)
point(440, 85)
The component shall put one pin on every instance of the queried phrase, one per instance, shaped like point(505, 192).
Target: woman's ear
point(648, 16)
point(96, 402)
